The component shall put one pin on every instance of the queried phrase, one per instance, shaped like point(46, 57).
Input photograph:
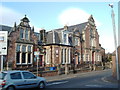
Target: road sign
point(3, 42)
point(36, 53)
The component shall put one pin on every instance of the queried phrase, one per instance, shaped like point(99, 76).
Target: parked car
point(11, 80)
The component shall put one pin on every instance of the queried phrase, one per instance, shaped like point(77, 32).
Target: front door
point(41, 60)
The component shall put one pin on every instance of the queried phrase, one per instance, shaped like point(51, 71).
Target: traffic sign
point(36, 53)
point(3, 42)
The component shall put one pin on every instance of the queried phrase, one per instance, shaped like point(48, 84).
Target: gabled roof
point(79, 27)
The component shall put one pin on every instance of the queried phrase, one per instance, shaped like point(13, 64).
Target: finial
point(25, 15)
point(111, 5)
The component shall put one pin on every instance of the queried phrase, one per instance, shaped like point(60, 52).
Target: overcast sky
point(53, 15)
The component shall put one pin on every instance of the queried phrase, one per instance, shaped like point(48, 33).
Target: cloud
point(9, 16)
point(107, 43)
point(74, 16)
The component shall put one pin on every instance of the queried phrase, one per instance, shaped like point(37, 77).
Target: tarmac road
point(94, 79)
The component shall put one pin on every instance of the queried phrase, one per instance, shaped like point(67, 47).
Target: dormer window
point(65, 38)
point(24, 34)
point(21, 34)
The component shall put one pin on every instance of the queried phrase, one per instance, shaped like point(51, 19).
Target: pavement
point(79, 74)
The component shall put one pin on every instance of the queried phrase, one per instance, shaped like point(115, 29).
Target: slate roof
point(58, 34)
point(79, 27)
point(5, 28)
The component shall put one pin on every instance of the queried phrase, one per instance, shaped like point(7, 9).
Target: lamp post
point(115, 40)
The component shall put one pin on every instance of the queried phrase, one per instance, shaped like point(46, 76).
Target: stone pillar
point(66, 69)
point(59, 69)
point(66, 63)
point(94, 67)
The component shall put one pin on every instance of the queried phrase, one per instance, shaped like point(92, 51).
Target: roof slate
point(5, 28)
point(58, 32)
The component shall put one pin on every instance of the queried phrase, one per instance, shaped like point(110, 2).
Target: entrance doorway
point(41, 60)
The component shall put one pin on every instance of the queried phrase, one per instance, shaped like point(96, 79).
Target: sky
point(53, 15)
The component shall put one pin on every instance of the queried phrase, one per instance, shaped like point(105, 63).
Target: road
point(93, 79)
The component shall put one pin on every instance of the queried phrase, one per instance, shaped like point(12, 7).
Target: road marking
point(105, 80)
point(56, 83)
point(93, 85)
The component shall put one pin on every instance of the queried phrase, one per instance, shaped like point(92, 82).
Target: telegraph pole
point(115, 40)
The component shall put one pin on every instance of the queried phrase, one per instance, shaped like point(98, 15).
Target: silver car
point(11, 80)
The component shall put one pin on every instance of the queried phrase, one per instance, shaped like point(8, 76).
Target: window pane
point(26, 34)
point(29, 57)
point(29, 48)
point(28, 75)
point(2, 75)
point(23, 48)
point(65, 56)
point(21, 34)
point(18, 48)
point(23, 57)
point(62, 56)
point(16, 75)
point(65, 38)
point(18, 57)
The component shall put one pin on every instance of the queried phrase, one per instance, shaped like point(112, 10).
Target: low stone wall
point(47, 73)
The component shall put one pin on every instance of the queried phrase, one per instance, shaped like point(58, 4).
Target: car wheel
point(11, 88)
point(41, 85)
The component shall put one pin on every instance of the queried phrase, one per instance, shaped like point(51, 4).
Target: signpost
point(3, 45)
point(37, 53)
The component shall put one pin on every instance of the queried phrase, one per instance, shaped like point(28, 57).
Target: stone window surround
point(26, 54)
point(68, 59)
point(48, 56)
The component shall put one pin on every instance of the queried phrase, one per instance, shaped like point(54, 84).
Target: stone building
point(22, 42)
point(68, 46)
point(79, 43)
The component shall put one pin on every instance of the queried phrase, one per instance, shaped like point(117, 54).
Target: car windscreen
point(2, 75)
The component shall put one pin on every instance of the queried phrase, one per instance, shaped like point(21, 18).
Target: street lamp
point(115, 40)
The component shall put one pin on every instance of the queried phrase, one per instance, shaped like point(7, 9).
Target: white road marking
point(105, 80)
point(93, 85)
point(56, 83)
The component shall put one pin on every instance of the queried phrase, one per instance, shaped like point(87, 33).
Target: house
point(58, 51)
point(74, 44)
